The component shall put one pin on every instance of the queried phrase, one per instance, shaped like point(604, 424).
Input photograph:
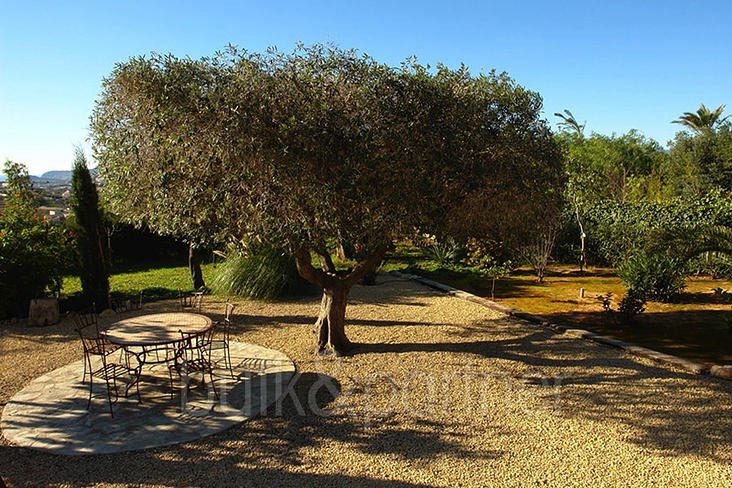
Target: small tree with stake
point(93, 259)
point(320, 148)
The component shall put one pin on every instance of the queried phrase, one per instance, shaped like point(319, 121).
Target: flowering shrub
point(33, 252)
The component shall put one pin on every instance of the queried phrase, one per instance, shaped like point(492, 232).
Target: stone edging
point(690, 366)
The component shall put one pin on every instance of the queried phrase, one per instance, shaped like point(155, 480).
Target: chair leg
point(91, 388)
point(213, 384)
point(227, 360)
point(109, 390)
point(87, 369)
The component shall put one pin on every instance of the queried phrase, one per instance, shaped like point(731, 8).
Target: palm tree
point(688, 243)
point(569, 123)
point(703, 119)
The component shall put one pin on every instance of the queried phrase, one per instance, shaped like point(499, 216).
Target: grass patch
point(156, 281)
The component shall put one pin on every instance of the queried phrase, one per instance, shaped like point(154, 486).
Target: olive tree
point(319, 148)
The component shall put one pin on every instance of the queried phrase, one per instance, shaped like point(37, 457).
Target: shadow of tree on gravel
point(254, 453)
point(668, 411)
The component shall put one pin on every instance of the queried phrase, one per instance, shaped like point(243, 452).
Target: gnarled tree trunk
point(330, 333)
point(330, 328)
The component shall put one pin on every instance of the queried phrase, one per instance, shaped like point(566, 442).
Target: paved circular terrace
point(50, 413)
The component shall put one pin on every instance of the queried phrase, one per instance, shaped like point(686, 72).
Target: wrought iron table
point(154, 339)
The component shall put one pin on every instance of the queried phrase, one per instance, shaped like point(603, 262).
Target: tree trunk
point(194, 265)
point(583, 257)
point(330, 326)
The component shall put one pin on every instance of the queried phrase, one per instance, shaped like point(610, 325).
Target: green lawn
point(155, 280)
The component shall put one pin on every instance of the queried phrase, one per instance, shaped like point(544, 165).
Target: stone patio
point(50, 414)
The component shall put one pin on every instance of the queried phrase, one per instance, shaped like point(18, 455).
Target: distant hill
point(52, 176)
point(56, 175)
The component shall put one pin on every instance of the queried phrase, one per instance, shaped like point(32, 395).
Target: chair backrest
point(192, 300)
point(228, 312)
point(86, 317)
point(135, 304)
point(198, 343)
point(204, 338)
point(120, 305)
point(87, 326)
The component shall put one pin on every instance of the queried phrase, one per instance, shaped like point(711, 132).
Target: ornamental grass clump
point(266, 274)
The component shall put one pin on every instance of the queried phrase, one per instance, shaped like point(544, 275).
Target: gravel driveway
point(441, 392)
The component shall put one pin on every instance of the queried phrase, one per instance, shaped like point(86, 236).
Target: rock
point(43, 312)
point(722, 371)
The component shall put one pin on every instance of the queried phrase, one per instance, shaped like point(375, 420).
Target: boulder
point(43, 312)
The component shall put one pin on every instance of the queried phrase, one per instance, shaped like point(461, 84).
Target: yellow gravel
point(441, 392)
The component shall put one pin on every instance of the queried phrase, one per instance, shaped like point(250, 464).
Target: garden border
point(719, 371)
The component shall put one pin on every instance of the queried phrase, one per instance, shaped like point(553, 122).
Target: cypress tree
point(93, 259)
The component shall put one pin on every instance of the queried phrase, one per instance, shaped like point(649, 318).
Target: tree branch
point(307, 271)
point(325, 260)
point(366, 265)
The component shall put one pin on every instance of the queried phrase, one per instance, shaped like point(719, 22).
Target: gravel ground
point(441, 392)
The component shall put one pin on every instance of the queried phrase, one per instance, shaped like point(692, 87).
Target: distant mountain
point(52, 176)
point(56, 175)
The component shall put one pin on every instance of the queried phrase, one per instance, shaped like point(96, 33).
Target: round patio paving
point(50, 413)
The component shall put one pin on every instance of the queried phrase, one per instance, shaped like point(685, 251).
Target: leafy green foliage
point(480, 257)
point(443, 252)
point(653, 276)
point(33, 252)
point(93, 258)
point(300, 149)
point(570, 124)
point(617, 168)
point(701, 162)
point(617, 230)
point(264, 275)
point(630, 306)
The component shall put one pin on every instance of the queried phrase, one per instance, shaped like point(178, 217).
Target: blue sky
point(616, 64)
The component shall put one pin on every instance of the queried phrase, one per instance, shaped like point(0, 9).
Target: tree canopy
point(319, 147)
point(617, 168)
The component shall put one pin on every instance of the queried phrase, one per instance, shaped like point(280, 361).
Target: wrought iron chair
point(194, 356)
point(87, 321)
point(191, 302)
point(95, 346)
point(122, 306)
point(222, 343)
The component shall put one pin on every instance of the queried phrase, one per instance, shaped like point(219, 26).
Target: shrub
point(617, 230)
point(653, 276)
point(630, 306)
point(93, 256)
point(441, 252)
point(33, 252)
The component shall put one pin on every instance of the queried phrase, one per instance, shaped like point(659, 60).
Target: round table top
point(159, 328)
